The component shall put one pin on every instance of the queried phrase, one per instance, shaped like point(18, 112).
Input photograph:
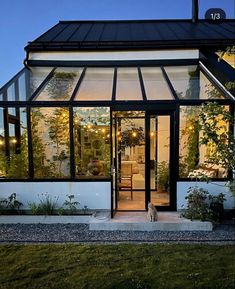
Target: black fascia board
point(99, 45)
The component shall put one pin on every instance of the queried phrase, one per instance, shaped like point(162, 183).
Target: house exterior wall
point(214, 189)
point(94, 195)
point(116, 55)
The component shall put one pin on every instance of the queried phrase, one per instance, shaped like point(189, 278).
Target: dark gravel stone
point(60, 233)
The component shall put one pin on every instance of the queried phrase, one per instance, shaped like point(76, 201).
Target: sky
point(25, 20)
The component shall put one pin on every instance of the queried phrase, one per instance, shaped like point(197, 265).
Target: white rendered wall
point(213, 189)
point(95, 195)
point(116, 55)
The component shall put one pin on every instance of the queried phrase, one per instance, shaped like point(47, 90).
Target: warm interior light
point(134, 134)
point(1, 142)
point(63, 114)
point(103, 130)
point(152, 133)
point(96, 131)
point(76, 121)
point(190, 127)
point(14, 140)
point(108, 135)
point(118, 133)
point(89, 126)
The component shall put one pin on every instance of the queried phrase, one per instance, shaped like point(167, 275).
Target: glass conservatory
point(134, 127)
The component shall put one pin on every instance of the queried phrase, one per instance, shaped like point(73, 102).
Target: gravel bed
point(79, 233)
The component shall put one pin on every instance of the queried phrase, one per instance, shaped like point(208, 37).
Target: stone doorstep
point(136, 221)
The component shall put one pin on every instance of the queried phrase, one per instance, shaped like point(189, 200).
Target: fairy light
point(134, 134)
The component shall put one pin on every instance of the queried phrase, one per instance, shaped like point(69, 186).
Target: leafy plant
point(34, 208)
point(71, 204)
point(214, 120)
point(198, 205)
point(10, 204)
point(46, 206)
point(163, 175)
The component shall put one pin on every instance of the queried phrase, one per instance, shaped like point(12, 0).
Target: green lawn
point(117, 266)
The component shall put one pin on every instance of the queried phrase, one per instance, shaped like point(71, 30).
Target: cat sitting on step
point(152, 213)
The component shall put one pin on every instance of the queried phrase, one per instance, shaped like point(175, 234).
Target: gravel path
point(79, 233)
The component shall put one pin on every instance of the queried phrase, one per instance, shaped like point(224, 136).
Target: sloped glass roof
point(112, 84)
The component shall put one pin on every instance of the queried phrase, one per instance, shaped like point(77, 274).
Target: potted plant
point(163, 176)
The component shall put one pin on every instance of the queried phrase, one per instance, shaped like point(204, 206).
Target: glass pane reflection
point(155, 85)
point(128, 85)
point(61, 85)
point(92, 142)
point(96, 85)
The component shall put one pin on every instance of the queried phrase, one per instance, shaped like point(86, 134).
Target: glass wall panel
point(92, 142)
point(193, 155)
point(2, 146)
point(37, 76)
point(51, 143)
point(160, 160)
point(61, 86)
point(96, 85)
point(22, 87)
point(14, 145)
point(190, 83)
point(11, 93)
point(155, 84)
point(128, 84)
point(1, 96)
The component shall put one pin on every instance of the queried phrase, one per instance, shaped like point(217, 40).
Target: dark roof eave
point(72, 46)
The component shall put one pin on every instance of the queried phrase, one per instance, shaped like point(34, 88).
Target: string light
point(89, 126)
point(190, 127)
point(134, 134)
point(14, 140)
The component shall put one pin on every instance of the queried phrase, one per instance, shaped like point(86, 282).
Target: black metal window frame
point(146, 105)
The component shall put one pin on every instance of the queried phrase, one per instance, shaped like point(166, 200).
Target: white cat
point(152, 213)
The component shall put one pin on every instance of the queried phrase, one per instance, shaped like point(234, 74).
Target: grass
point(134, 266)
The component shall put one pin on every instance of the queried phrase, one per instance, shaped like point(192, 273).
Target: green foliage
point(70, 204)
point(59, 87)
point(10, 205)
point(163, 175)
point(133, 136)
point(197, 206)
point(203, 206)
point(46, 206)
point(191, 135)
point(43, 168)
point(214, 120)
point(58, 132)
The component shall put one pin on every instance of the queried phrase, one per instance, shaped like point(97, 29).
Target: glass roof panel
point(37, 75)
point(185, 80)
point(190, 83)
point(207, 89)
point(128, 84)
point(96, 85)
point(61, 86)
point(155, 85)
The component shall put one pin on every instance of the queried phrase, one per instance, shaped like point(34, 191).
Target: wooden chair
point(126, 176)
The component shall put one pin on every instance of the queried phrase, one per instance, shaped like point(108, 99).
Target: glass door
point(159, 181)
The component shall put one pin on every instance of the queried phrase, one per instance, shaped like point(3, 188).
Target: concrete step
point(136, 221)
